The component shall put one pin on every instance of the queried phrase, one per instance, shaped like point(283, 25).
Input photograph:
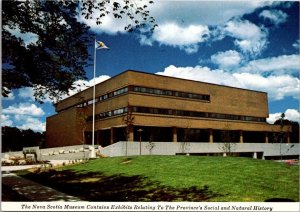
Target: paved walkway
point(34, 191)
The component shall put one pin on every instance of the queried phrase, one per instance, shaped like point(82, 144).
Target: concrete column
point(174, 134)
point(266, 137)
point(255, 155)
point(288, 140)
point(131, 134)
point(112, 135)
point(211, 136)
point(241, 137)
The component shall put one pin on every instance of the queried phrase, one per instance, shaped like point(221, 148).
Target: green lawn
point(176, 178)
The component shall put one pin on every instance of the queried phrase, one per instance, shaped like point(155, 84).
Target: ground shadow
point(279, 200)
point(9, 195)
point(91, 186)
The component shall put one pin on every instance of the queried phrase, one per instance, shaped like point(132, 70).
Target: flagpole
point(93, 155)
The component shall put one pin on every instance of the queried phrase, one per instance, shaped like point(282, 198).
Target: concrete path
point(34, 191)
point(17, 168)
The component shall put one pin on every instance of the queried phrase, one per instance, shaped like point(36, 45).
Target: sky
point(245, 44)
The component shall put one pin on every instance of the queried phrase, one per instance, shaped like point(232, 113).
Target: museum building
point(135, 105)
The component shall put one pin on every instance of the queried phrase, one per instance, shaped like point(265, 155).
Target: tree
point(128, 120)
point(135, 11)
point(56, 59)
point(14, 139)
point(185, 140)
point(227, 137)
point(294, 136)
point(82, 116)
point(59, 54)
point(151, 145)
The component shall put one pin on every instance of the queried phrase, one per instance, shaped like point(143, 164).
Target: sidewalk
point(34, 191)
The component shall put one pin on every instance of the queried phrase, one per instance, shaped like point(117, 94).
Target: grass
point(176, 178)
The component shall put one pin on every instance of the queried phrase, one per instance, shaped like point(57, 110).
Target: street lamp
point(140, 131)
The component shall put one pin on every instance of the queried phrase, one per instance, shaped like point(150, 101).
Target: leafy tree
point(128, 120)
point(14, 139)
point(59, 55)
point(294, 136)
point(56, 59)
point(136, 11)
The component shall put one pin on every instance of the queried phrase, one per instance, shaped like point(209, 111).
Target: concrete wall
point(60, 153)
point(123, 148)
point(173, 148)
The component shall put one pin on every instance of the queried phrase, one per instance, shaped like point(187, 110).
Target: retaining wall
point(123, 148)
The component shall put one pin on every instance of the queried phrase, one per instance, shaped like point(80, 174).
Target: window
point(120, 111)
point(195, 114)
point(120, 91)
point(171, 93)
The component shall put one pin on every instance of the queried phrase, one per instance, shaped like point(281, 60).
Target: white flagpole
point(93, 153)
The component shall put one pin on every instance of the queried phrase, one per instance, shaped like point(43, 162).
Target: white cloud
point(26, 93)
point(275, 16)
point(5, 120)
point(182, 12)
point(185, 38)
point(296, 44)
point(283, 64)
point(250, 38)
point(84, 84)
point(199, 73)
point(109, 24)
point(32, 123)
point(23, 116)
point(227, 60)
point(24, 109)
point(202, 12)
point(277, 87)
point(290, 114)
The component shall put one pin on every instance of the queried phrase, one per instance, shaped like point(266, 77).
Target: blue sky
point(245, 44)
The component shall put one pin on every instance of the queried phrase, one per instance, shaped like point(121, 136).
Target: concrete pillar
point(211, 136)
point(266, 137)
point(112, 135)
point(288, 140)
point(241, 137)
point(174, 134)
point(255, 155)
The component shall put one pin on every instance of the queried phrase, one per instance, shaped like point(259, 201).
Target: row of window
point(196, 114)
point(139, 89)
point(176, 113)
point(104, 97)
point(109, 114)
point(157, 91)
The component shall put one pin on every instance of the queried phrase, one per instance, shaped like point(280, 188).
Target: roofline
point(143, 72)
point(147, 73)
